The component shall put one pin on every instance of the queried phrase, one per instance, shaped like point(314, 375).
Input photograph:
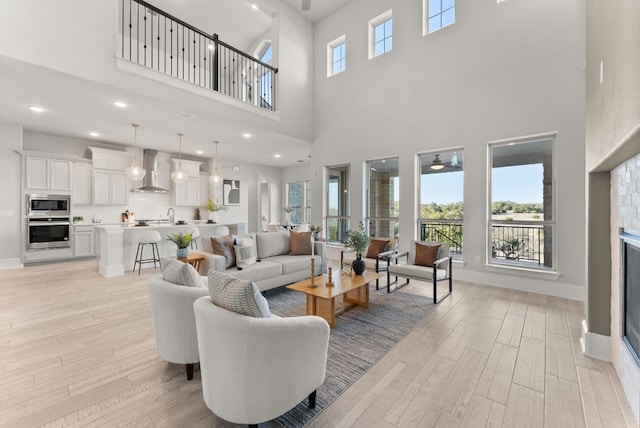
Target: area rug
point(361, 338)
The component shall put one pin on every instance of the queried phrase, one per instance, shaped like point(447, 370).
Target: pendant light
point(179, 175)
point(135, 172)
point(437, 163)
point(215, 178)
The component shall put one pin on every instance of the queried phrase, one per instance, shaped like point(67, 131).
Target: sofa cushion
point(179, 273)
point(426, 255)
point(300, 243)
point(272, 244)
point(258, 271)
point(223, 246)
point(237, 295)
point(291, 264)
point(246, 252)
point(377, 246)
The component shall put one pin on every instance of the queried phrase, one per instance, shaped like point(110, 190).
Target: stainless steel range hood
point(150, 180)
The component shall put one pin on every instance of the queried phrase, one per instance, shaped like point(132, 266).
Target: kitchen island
point(118, 243)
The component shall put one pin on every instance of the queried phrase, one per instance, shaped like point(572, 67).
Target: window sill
point(523, 271)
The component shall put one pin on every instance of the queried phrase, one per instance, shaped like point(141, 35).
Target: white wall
point(502, 70)
point(11, 218)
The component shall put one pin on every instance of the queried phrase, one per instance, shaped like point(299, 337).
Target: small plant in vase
point(182, 240)
point(287, 213)
point(213, 207)
point(358, 240)
point(316, 231)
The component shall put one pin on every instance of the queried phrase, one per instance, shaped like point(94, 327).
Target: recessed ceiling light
point(246, 135)
point(94, 134)
point(277, 156)
point(36, 109)
point(120, 104)
point(254, 7)
point(200, 152)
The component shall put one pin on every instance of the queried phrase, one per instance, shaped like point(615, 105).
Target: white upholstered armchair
point(255, 369)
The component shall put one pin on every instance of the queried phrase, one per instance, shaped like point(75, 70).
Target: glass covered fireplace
point(630, 276)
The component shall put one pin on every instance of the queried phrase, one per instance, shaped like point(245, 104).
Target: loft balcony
point(161, 42)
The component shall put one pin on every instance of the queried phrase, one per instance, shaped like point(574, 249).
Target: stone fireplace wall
point(625, 213)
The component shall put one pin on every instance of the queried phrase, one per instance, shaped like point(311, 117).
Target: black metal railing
point(518, 243)
point(337, 228)
point(159, 41)
point(449, 231)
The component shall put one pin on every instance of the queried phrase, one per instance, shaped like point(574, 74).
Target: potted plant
point(358, 240)
point(213, 207)
point(182, 240)
point(78, 219)
point(316, 231)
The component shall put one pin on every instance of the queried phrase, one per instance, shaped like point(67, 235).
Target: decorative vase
point(183, 253)
point(358, 265)
point(213, 216)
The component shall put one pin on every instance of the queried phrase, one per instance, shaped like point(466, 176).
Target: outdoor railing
point(159, 41)
point(518, 243)
point(337, 228)
point(449, 231)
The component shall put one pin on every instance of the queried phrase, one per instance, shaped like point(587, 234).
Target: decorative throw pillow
point(179, 273)
point(377, 246)
point(426, 255)
point(246, 252)
point(237, 295)
point(300, 243)
point(223, 246)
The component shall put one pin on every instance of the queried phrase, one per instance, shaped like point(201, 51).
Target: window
point(438, 14)
point(442, 198)
point(383, 210)
point(522, 225)
point(299, 200)
point(336, 56)
point(380, 34)
point(338, 204)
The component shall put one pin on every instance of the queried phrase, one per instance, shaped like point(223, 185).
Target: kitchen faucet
point(172, 216)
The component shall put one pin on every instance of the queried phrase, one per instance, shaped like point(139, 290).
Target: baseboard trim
point(595, 345)
point(10, 263)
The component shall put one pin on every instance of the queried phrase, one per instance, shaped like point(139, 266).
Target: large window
point(383, 210)
point(521, 230)
point(299, 200)
point(442, 198)
point(337, 56)
point(338, 209)
point(438, 14)
point(380, 34)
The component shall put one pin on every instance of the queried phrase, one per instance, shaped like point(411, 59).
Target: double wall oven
point(48, 221)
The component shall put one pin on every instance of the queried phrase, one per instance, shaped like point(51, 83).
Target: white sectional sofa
point(274, 266)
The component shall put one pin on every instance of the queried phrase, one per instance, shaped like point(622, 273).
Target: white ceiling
point(65, 98)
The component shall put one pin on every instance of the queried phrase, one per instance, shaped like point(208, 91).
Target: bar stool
point(195, 234)
point(152, 238)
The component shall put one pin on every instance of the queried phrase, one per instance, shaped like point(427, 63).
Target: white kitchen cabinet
point(83, 241)
point(45, 173)
point(187, 194)
point(81, 183)
point(110, 184)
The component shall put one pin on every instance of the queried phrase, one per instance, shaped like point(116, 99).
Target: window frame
point(305, 208)
point(426, 28)
point(375, 22)
point(369, 217)
point(343, 217)
point(342, 40)
point(552, 224)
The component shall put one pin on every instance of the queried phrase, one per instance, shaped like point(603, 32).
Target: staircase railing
point(159, 41)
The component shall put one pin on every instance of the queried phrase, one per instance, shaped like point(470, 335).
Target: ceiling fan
point(306, 5)
point(438, 164)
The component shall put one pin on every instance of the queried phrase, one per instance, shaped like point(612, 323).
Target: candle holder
point(330, 277)
point(312, 284)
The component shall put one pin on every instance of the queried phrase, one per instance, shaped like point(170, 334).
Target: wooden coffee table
point(321, 300)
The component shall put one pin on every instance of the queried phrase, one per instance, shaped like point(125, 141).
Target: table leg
point(359, 296)
point(325, 308)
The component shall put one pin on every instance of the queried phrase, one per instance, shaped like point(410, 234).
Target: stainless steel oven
point(48, 232)
point(48, 205)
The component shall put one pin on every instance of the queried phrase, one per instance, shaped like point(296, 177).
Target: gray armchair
point(439, 268)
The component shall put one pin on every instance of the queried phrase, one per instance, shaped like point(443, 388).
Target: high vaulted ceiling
point(66, 98)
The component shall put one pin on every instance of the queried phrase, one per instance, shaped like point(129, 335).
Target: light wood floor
point(77, 349)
